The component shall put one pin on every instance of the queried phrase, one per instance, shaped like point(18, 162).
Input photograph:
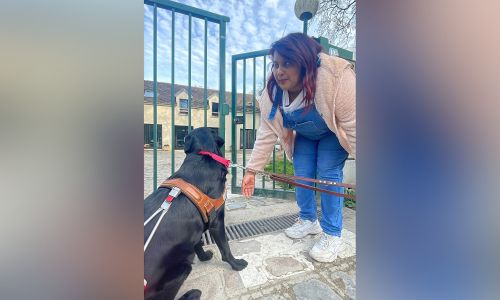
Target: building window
point(149, 94)
point(249, 105)
point(215, 109)
point(249, 139)
point(183, 105)
point(180, 135)
point(149, 135)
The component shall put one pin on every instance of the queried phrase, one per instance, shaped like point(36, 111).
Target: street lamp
point(305, 10)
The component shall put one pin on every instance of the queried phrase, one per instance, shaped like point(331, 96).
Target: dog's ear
point(188, 144)
point(219, 141)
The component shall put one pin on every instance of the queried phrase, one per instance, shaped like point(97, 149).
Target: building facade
point(181, 116)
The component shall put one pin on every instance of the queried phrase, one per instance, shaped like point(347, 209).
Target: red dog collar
point(219, 159)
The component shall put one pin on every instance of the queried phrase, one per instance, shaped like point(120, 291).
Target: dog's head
point(203, 139)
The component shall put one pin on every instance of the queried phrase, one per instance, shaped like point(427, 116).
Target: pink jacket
point(335, 101)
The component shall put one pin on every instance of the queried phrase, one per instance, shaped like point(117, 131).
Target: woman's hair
point(301, 50)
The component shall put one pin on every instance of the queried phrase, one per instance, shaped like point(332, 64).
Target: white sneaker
point(327, 248)
point(301, 228)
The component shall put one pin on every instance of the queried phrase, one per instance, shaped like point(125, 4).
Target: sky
point(253, 26)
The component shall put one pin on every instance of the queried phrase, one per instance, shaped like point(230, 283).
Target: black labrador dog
point(168, 258)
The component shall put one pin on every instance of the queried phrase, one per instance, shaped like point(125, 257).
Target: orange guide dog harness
point(207, 206)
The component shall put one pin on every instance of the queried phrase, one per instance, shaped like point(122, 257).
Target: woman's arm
point(263, 146)
point(345, 107)
point(262, 149)
point(266, 136)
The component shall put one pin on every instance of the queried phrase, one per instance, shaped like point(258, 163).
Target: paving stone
point(245, 297)
point(273, 297)
point(230, 196)
point(279, 266)
point(268, 290)
point(239, 248)
point(352, 274)
point(314, 290)
point(235, 205)
point(349, 283)
point(211, 286)
point(233, 282)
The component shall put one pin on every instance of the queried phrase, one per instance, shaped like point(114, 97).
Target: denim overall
point(317, 151)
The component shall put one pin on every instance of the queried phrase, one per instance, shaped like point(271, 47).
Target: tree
point(336, 20)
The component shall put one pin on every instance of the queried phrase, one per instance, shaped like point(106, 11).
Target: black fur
point(168, 258)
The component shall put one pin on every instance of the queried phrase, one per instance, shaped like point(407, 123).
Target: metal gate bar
point(178, 8)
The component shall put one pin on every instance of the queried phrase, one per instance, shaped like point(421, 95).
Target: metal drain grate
point(254, 228)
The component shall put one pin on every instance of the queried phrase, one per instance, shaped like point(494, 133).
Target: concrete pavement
point(278, 267)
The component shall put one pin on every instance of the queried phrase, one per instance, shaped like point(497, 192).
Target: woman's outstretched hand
point(248, 184)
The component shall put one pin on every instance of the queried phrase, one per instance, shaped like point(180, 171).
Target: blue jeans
point(317, 152)
point(326, 158)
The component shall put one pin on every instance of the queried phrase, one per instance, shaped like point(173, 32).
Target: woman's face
point(286, 73)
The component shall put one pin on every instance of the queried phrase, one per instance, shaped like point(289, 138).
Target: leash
point(292, 181)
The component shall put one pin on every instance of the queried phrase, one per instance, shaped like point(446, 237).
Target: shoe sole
point(302, 236)
point(329, 259)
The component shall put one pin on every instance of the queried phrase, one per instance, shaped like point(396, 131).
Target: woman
point(309, 104)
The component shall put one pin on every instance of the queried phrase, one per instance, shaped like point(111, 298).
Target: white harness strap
point(154, 228)
point(152, 216)
point(174, 192)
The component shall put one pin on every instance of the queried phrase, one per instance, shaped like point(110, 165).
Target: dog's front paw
point(238, 264)
point(191, 295)
point(206, 255)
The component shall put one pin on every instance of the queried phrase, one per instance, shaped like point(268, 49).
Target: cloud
point(253, 26)
point(251, 29)
point(271, 4)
